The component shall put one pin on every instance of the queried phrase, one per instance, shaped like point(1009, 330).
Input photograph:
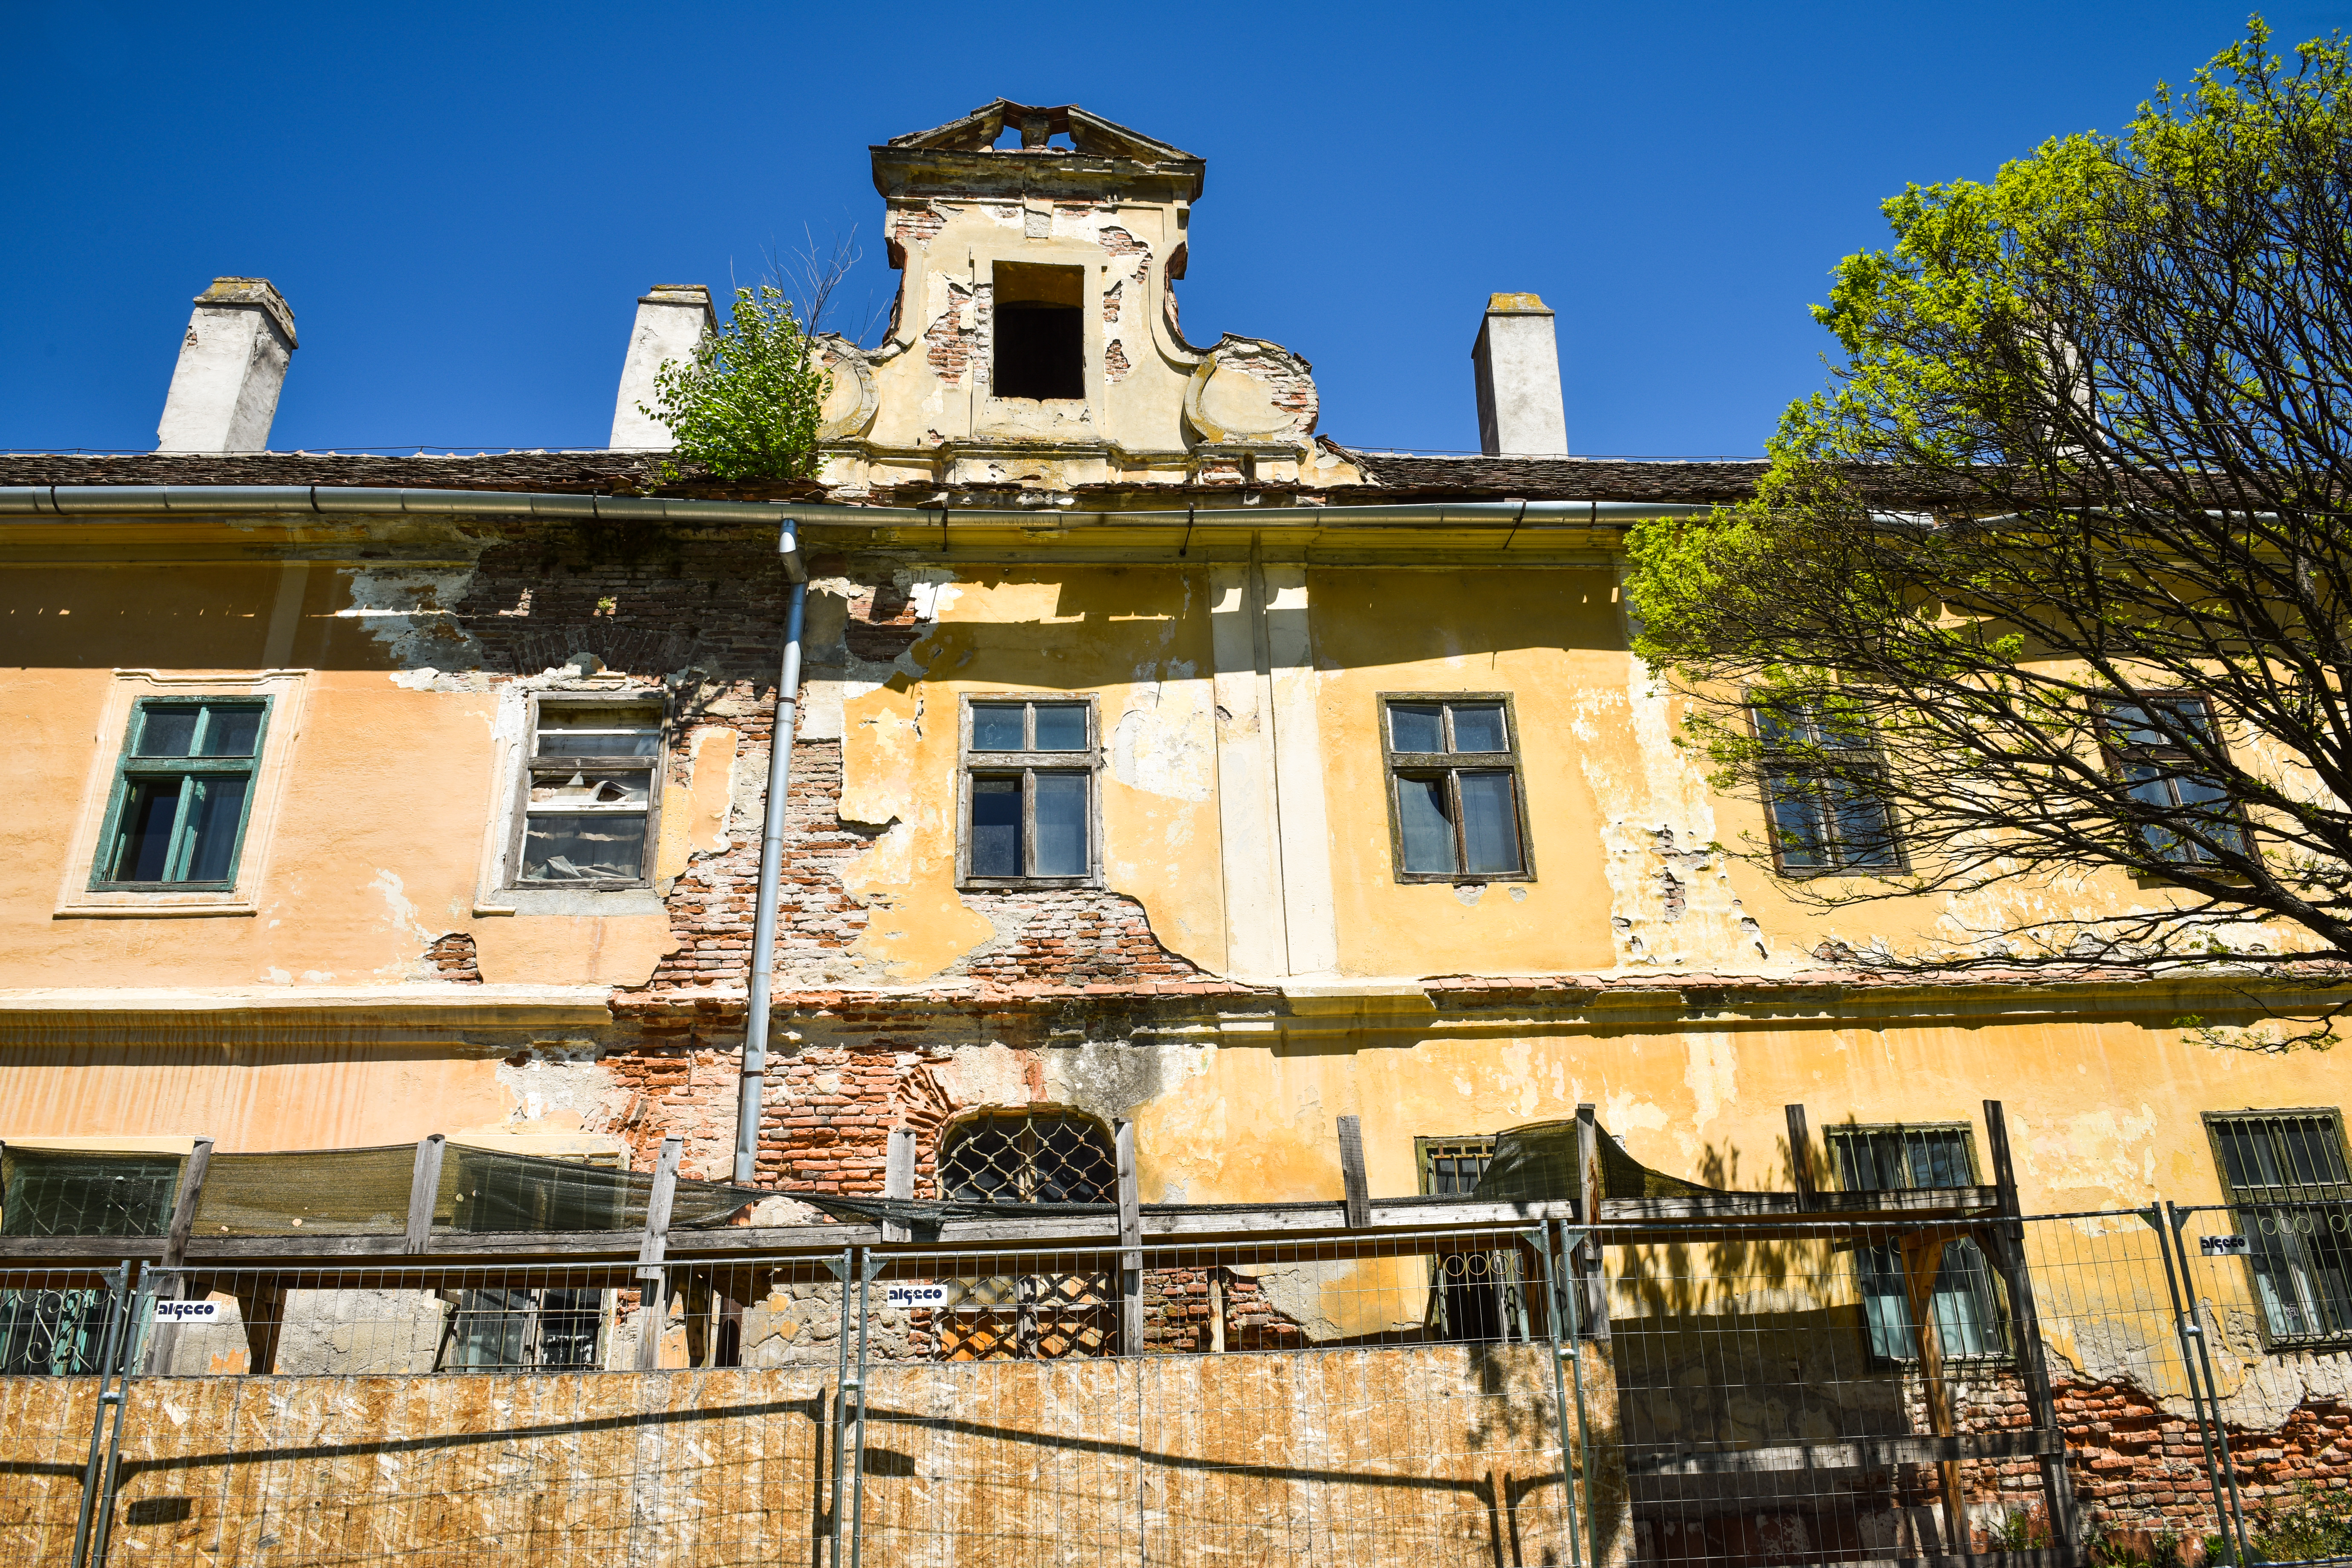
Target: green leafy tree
point(2053, 578)
point(747, 406)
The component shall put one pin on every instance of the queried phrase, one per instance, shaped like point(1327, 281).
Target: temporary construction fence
point(2039, 1390)
point(1390, 1398)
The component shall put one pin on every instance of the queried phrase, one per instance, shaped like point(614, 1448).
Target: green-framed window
point(182, 793)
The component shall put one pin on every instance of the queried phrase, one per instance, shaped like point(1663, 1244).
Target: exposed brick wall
point(1065, 939)
point(947, 341)
point(452, 958)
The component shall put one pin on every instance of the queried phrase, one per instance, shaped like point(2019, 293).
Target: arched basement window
point(1028, 1157)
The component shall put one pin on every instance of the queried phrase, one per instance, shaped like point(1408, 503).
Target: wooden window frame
point(1396, 765)
point(1899, 864)
point(2235, 1199)
point(1427, 1150)
point(1995, 1303)
point(1967, 1129)
point(1026, 764)
point(656, 772)
point(129, 768)
point(2119, 755)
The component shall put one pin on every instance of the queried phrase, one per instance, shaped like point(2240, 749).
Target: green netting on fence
point(1538, 1164)
point(324, 1192)
point(79, 1191)
point(482, 1190)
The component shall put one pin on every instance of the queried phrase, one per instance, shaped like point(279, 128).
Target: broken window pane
point(570, 732)
point(1462, 824)
point(564, 848)
point(580, 791)
point(1421, 821)
point(1061, 825)
point(995, 842)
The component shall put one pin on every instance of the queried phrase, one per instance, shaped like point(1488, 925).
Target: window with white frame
point(1029, 806)
point(591, 792)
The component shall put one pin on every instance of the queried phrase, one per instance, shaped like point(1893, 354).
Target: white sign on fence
point(906, 1298)
point(187, 1311)
point(2223, 1246)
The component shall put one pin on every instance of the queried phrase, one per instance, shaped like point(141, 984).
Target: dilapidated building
point(1168, 783)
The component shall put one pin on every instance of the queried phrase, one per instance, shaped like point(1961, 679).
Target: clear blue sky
point(462, 203)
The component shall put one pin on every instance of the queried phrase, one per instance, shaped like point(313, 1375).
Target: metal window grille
point(62, 1191)
point(1966, 1297)
point(2285, 1178)
point(1458, 814)
point(2190, 819)
point(1029, 792)
point(1824, 794)
point(590, 795)
point(182, 793)
point(1029, 1157)
point(510, 1330)
point(1474, 1294)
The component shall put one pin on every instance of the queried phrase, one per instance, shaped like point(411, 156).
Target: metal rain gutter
point(1492, 513)
point(333, 500)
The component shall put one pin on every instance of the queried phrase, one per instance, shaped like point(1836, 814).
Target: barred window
point(1452, 1166)
point(2193, 821)
point(522, 1329)
point(1456, 810)
point(1478, 1295)
point(1027, 1157)
point(591, 792)
point(1029, 806)
point(2283, 1172)
point(182, 791)
point(1966, 1300)
point(1824, 794)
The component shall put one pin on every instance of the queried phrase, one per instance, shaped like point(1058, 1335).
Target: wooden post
point(166, 1343)
point(1801, 1157)
point(1352, 1173)
point(653, 1314)
point(2025, 1335)
point(1130, 1244)
point(1923, 1259)
point(1216, 1310)
point(423, 1191)
point(899, 1180)
point(1591, 1189)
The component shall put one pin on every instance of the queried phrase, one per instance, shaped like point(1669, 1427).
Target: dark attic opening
point(1040, 330)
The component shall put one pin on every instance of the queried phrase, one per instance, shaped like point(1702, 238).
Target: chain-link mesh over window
point(1028, 1157)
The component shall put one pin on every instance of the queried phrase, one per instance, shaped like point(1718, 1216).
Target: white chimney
point(232, 366)
point(670, 321)
point(1517, 361)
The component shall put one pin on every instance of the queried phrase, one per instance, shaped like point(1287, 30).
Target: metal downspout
point(771, 857)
